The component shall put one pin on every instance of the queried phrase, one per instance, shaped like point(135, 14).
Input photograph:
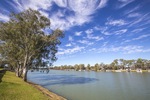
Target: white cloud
point(106, 33)
point(138, 38)
point(104, 44)
point(86, 7)
point(138, 30)
point(16, 5)
point(119, 32)
point(102, 3)
point(132, 15)
point(4, 17)
point(90, 35)
point(61, 3)
point(78, 33)
point(70, 38)
point(103, 29)
point(126, 41)
point(141, 37)
point(144, 18)
point(93, 49)
point(20, 5)
point(81, 10)
point(122, 49)
point(68, 45)
point(70, 51)
point(35, 4)
point(97, 38)
point(132, 10)
point(56, 22)
point(89, 31)
point(123, 3)
point(85, 42)
point(119, 22)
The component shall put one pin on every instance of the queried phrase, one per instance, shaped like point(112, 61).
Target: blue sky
point(95, 30)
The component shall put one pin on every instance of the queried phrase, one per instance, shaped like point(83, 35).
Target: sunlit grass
point(1, 68)
point(14, 88)
point(144, 70)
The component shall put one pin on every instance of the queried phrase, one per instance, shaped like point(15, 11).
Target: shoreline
point(50, 94)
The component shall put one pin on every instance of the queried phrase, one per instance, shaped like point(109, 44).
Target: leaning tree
point(26, 41)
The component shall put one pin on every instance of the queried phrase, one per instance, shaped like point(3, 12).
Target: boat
point(139, 70)
point(117, 70)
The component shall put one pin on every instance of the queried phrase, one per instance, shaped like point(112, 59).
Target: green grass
point(1, 68)
point(144, 70)
point(14, 88)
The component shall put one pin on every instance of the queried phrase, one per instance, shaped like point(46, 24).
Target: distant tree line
point(117, 64)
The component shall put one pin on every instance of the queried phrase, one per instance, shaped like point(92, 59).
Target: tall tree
point(139, 63)
point(25, 41)
point(76, 67)
point(96, 67)
point(88, 67)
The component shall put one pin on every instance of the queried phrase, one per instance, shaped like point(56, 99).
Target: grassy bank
point(14, 88)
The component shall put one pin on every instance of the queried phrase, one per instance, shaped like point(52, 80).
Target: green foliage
point(88, 67)
point(76, 67)
point(96, 67)
point(24, 40)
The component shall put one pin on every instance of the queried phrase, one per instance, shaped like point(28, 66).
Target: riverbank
point(45, 91)
point(14, 88)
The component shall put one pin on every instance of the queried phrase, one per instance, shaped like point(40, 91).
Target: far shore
point(119, 70)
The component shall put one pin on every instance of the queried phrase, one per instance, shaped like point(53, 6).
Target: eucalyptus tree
point(130, 63)
point(96, 67)
point(139, 63)
point(114, 64)
point(122, 63)
point(26, 41)
point(88, 67)
point(76, 67)
point(81, 66)
point(147, 64)
point(102, 66)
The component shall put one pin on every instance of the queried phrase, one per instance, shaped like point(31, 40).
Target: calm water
point(95, 85)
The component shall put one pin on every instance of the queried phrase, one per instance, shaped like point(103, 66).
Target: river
point(91, 85)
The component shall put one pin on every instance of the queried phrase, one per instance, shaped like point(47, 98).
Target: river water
point(75, 85)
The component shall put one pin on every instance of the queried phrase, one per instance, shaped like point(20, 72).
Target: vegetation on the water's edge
point(25, 44)
point(117, 64)
point(14, 88)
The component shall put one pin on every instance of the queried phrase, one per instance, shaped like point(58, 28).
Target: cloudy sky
point(95, 30)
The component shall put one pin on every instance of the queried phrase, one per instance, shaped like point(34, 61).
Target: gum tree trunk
point(25, 68)
point(25, 74)
point(17, 72)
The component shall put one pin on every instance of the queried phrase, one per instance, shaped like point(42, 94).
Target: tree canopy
point(25, 41)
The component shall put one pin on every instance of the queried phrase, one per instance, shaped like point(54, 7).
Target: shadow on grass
point(2, 72)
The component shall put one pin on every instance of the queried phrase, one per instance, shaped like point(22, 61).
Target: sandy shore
point(45, 91)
